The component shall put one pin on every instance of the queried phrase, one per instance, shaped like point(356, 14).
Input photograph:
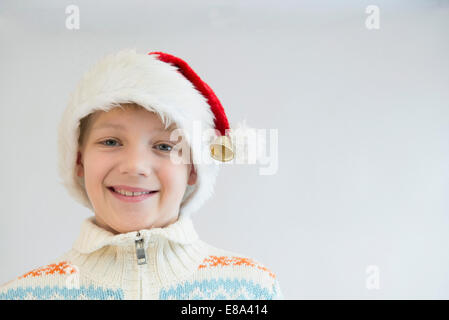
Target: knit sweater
point(158, 263)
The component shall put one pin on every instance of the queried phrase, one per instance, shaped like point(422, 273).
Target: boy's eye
point(104, 142)
point(165, 147)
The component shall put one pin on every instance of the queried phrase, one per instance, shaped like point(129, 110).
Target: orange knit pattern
point(214, 261)
point(62, 268)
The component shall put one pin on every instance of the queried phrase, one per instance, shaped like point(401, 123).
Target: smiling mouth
point(131, 194)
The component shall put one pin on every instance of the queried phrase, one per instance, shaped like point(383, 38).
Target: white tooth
point(131, 194)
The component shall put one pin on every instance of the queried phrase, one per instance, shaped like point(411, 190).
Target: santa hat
point(160, 83)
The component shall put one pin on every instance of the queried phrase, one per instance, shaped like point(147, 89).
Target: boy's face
point(135, 155)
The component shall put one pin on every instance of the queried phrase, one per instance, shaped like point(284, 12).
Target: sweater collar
point(140, 265)
point(92, 237)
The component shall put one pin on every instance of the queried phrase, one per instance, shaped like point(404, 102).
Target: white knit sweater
point(158, 263)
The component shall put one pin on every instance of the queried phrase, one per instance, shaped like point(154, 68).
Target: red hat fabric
point(221, 120)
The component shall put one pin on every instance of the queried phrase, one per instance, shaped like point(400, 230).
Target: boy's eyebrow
point(120, 127)
point(109, 125)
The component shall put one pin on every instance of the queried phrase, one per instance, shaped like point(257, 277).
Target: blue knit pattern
point(217, 289)
point(62, 293)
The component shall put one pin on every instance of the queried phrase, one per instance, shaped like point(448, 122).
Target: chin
point(134, 222)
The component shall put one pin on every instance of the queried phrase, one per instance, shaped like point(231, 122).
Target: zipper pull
point(140, 250)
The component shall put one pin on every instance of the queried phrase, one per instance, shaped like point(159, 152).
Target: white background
point(362, 117)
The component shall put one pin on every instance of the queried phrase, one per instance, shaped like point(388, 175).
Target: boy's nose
point(137, 162)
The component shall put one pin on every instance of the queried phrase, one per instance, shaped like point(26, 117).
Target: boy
point(117, 157)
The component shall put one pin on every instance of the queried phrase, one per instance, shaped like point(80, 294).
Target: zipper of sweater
point(140, 250)
point(141, 258)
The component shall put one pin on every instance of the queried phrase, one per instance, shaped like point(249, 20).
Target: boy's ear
point(193, 176)
point(79, 166)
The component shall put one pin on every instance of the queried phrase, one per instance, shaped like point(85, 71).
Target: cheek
point(173, 177)
point(96, 166)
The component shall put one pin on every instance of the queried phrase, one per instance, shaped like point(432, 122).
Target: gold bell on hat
point(221, 149)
